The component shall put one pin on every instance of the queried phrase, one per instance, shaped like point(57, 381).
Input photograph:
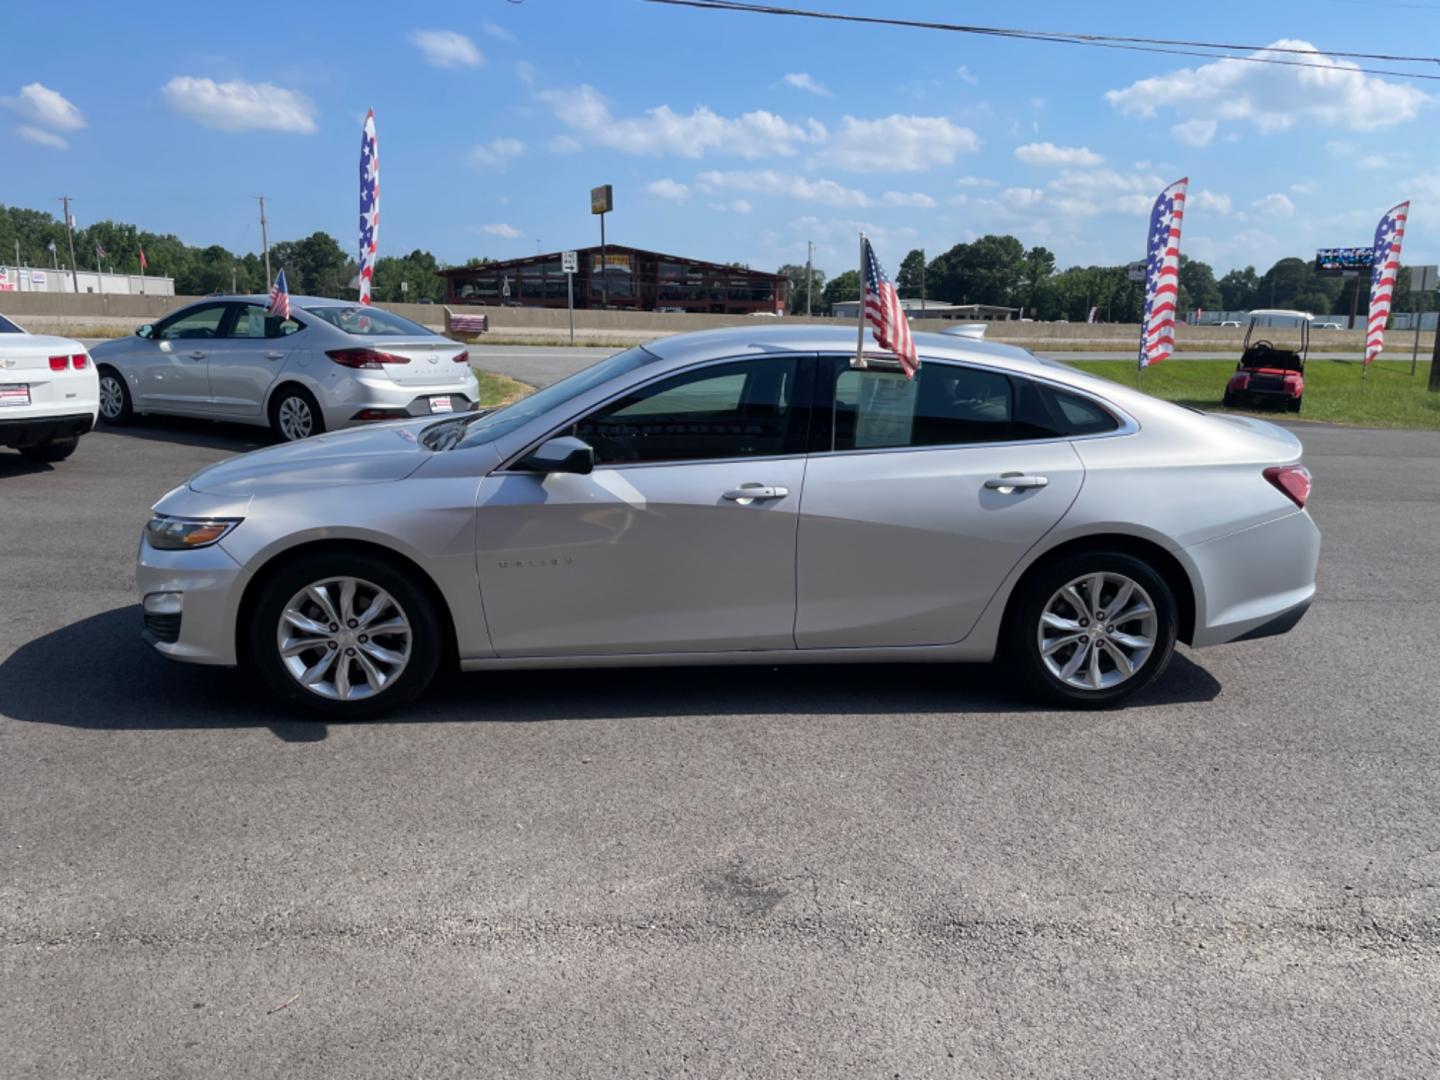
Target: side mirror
point(565, 454)
point(144, 331)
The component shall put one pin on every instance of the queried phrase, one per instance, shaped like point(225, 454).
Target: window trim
point(822, 415)
point(806, 394)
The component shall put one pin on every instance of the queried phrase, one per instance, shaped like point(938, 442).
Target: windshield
point(490, 426)
point(8, 327)
point(368, 321)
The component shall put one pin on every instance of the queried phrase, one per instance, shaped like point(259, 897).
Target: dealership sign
point(1344, 261)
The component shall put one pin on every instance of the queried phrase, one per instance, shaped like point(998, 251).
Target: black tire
point(1023, 637)
point(1295, 405)
point(427, 640)
point(288, 403)
point(54, 450)
point(125, 412)
point(1230, 401)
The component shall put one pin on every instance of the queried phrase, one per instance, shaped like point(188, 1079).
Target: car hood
point(369, 455)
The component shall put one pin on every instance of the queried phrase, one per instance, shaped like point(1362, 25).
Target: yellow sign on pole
point(602, 199)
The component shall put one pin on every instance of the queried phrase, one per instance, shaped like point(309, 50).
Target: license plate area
point(14, 394)
point(442, 403)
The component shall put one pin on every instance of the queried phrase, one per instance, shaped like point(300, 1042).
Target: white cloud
point(240, 106)
point(496, 154)
point(1082, 193)
point(1050, 155)
point(564, 144)
point(1212, 201)
point(963, 74)
point(802, 81)
point(976, 181)
point(796, 186)
point(1275, 98)
point(741, 206)
point(1196, 132)
point(42, 138)
point(1021, 197)
point(1275, 204)
point(669, 190)
point(45, 107)
point(1303, 187)
point(897, 144)
point(836, 238)
point(506, 232)
point(499, 32)
point(447, 49)
point(661, 130)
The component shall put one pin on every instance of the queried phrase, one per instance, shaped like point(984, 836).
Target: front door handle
point(748, 493)
point(274, 356)
point(1011, 482)
point(197, 355)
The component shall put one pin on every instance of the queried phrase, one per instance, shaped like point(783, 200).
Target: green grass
point(1390, 398)
point(500, 389)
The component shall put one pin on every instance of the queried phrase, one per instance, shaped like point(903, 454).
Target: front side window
point(203, 322)
point(732, 410)
point(253, 321)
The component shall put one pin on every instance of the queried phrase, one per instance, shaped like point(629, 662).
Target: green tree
point(1238, 290)
point(1198, 287)
point(911, 281)
point(799, 287)
point(844, 287)
point(1039, 266)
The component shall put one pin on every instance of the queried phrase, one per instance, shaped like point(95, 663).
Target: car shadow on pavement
point(12, 464)
point(98, 674)
point(185, 431)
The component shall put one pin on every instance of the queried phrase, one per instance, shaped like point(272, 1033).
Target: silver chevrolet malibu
point(331, 364)
point(745, 496)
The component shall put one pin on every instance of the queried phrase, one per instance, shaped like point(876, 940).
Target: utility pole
point(809, 275)
point(922, 281)
point(1435, 363)
point(265, 241)
point(70, 232)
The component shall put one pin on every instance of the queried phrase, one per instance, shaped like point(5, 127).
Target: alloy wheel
point(344, 638)
point(1097, 631)
point(112, 397)
point(296, 420)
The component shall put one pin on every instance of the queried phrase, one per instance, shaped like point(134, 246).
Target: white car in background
point(49, 393)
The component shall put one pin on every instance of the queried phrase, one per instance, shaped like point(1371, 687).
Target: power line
point(1173, 46)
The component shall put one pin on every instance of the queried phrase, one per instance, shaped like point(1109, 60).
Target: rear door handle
point(747, 493)
point(197, 355)
point(1010, 482)
point(274, 356)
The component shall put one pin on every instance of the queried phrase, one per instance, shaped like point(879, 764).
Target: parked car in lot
point(332, 364)
point(48, 393)
point(744, 497)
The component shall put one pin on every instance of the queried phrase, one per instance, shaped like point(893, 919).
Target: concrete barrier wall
point(69, 313)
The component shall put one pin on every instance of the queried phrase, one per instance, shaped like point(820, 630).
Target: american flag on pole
point(280, 296)
point(880, 306)
point(99, 251)
point(144, 262)
point(369, 205)
point(1385, 264)
point(1162, 275)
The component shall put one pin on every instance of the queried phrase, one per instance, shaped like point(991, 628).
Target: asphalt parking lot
point(874, 871)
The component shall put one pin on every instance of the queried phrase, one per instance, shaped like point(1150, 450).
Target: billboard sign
point(1136, 271)
point(602, 199)
point(614, 262)
point(1424, 278)
point(1344, 261)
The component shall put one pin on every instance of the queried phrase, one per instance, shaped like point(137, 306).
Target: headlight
point(177, 534)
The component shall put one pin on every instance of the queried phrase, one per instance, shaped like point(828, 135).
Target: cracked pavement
point(868, 871)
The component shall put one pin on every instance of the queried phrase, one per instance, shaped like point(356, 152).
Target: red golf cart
point(1267, 374)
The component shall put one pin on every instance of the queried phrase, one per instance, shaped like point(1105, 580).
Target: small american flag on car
point(1162, 275)
point(1385, 264)
point(280, 297)
point(880, 307)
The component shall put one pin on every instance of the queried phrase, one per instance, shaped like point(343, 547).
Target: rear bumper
point(1254, 583)
point(347, 403)
point(29, 430)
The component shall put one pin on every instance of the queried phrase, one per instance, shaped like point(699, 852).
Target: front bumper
point(209, 583)
point(1256, 582)
point(30, 430)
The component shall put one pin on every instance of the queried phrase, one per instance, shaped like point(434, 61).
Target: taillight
point(79, 360)
point(59, 363)
point(462, 357)
point(1293, 480)
point(365, 358)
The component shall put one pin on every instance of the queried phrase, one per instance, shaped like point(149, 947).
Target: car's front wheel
point(115, 404)
point(1094, 628)
point(346, 634)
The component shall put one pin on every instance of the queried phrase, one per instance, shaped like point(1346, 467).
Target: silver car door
point(933, 491)
point(247, 359)
point(681, 540)
point(171, 367)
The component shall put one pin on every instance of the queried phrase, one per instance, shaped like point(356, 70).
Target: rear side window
point(944, 405)
point(1080, 416)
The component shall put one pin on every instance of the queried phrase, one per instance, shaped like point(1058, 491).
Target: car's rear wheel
point(1230, 401)
point(345, 634)
point(54, 450)
point(1094, 628)
point(294, 414)
point(115, 404)
point(1295, 405)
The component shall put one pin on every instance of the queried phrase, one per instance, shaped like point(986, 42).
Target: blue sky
point(726, 136)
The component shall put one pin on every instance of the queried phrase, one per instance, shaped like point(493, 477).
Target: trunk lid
point(432, 359)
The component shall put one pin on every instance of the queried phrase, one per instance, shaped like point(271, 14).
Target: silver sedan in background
point(744, 496)
point(332, 364)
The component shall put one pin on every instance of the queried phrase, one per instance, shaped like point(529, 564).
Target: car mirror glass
point(565, 454)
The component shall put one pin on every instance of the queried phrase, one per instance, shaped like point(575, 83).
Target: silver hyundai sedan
point(332, 364)
point(744, 496)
